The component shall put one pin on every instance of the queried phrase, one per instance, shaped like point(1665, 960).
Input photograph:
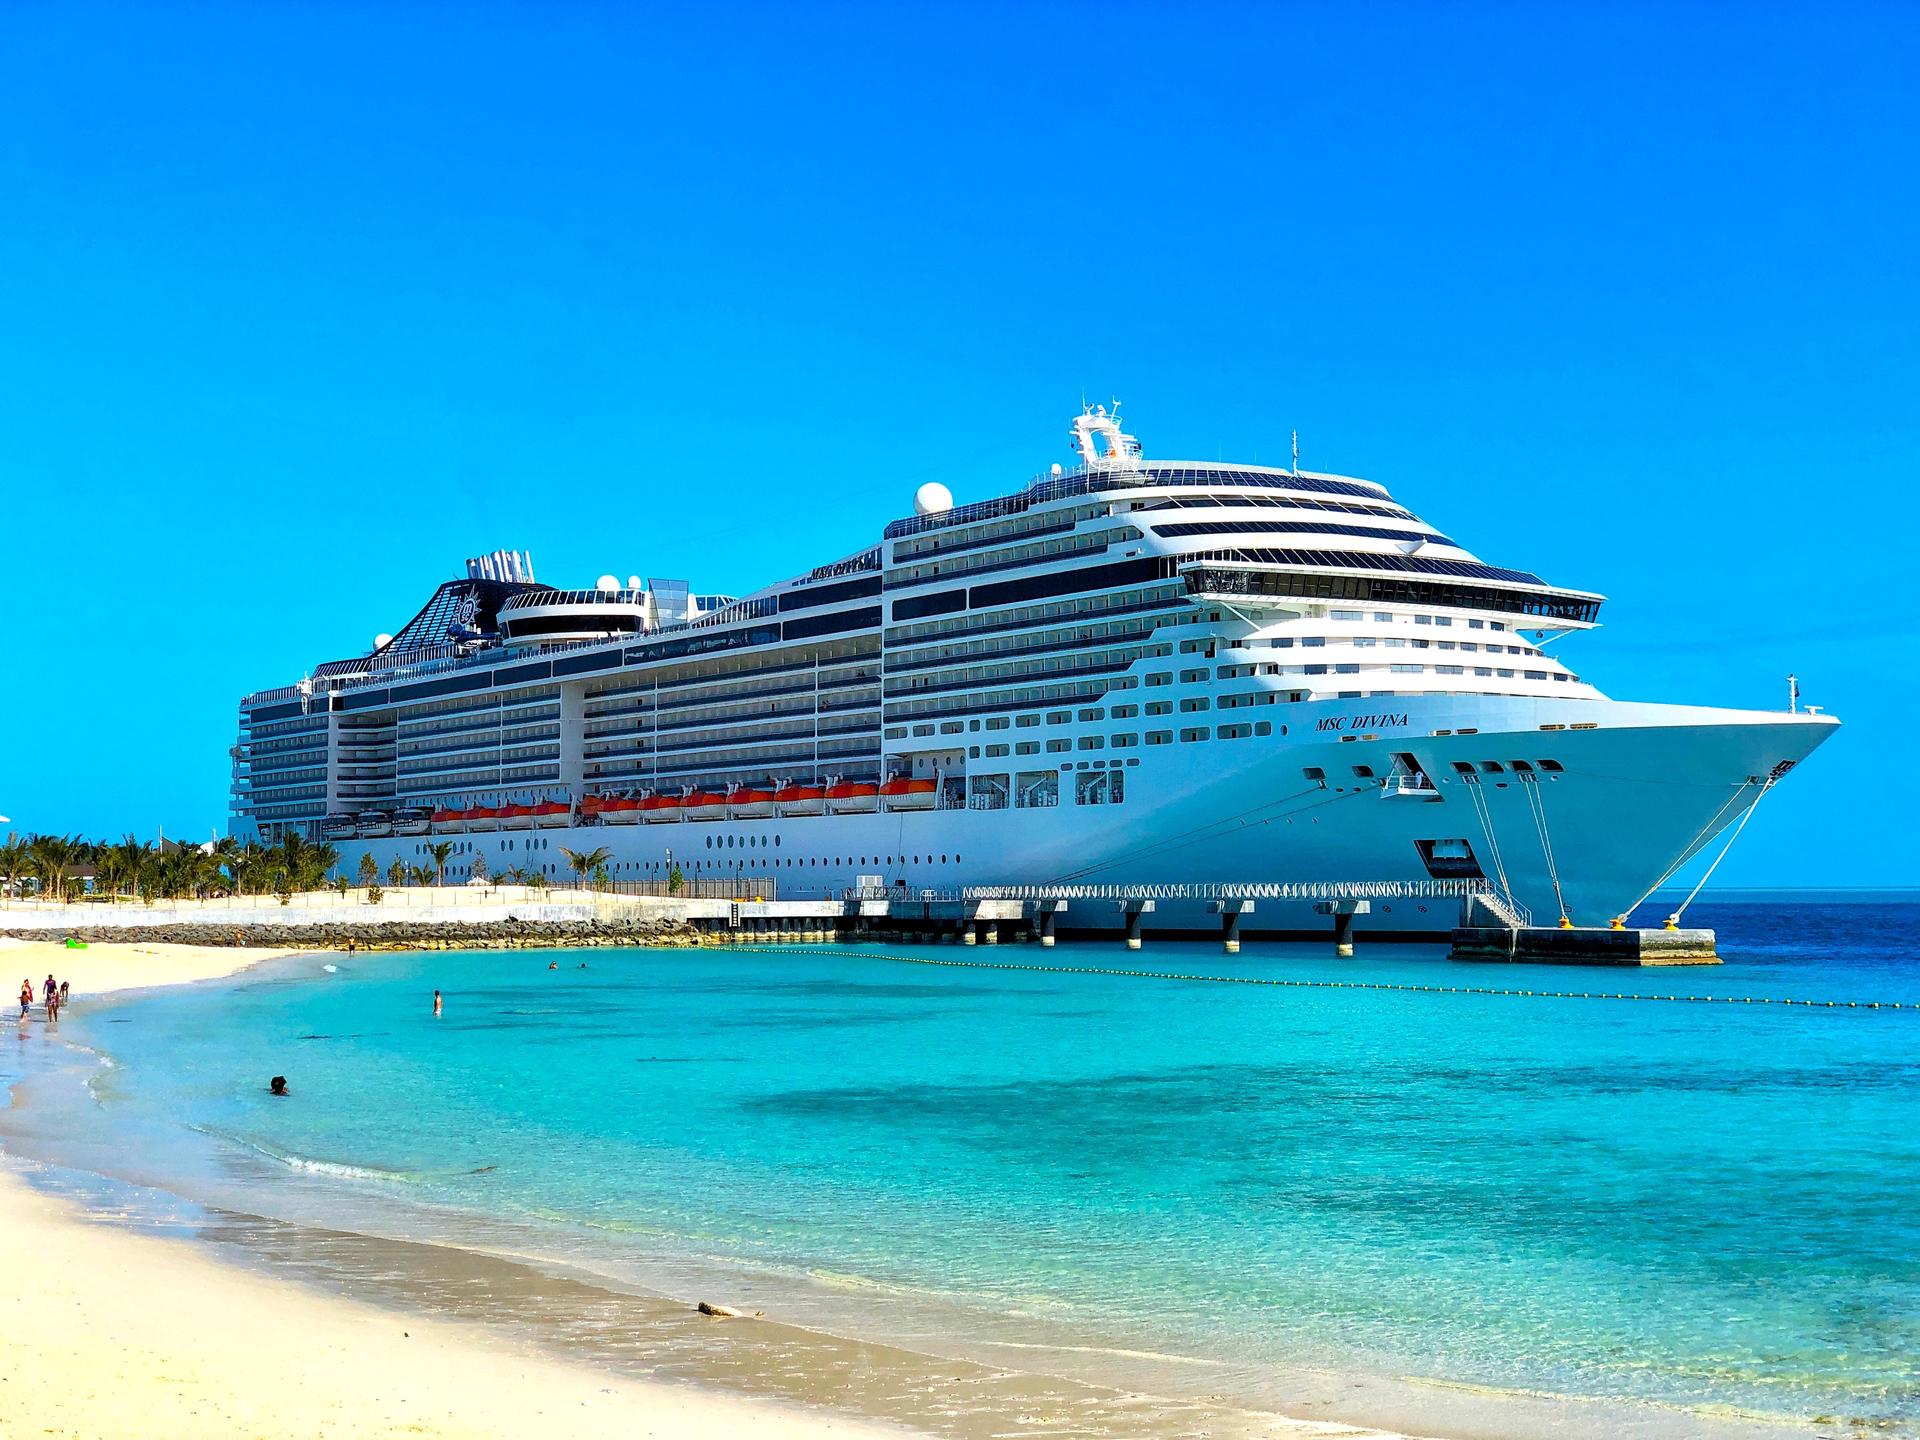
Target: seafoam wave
point(312, 1165)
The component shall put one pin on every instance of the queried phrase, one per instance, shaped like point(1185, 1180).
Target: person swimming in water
point(277, 1085)
point(436, 1002)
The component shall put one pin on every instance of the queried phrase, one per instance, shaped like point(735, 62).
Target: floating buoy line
point(1192, 978)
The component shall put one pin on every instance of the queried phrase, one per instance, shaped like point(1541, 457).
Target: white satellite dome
point(932, 498)
point(380, 642)
point(633, 582)
point(607, 584)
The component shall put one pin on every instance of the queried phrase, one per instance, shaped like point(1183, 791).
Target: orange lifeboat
point(902, 793)
point(483, 817)
point(551, 812)
point(621, 810)
point(590, 805)
point(746, 801)
point(445, 819)
point(704, 805)
point(845, 797)
point(517, 815)
point(659, 807)
point(800, 799)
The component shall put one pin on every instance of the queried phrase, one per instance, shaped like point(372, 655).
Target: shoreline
point(862, 1382)
point(140, 1334)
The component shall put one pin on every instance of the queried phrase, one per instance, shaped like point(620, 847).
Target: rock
point(707, 1307)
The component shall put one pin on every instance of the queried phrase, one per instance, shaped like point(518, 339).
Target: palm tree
point(131, 859)
point(15, 863)
point(440, 852)
point(583, 861)
point(51, 855)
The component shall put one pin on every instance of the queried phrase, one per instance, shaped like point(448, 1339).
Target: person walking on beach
point(26, 997)
point(436, 1004)
point(65, 994)
point(51, 990)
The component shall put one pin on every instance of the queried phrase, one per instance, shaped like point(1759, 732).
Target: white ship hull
point(1646, 786)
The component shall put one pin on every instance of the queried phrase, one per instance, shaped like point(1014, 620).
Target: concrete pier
point(1545, 945)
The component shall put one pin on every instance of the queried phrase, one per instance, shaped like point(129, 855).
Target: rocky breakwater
point(396, 933)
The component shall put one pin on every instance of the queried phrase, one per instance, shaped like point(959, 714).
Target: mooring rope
point(1530, 784)
point(1276, 982)
point(1692, 848)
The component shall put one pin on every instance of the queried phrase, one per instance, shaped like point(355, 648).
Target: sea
point(1076, 1190)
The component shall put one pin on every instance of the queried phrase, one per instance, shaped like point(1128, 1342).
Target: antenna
point(1296, 452)
point(1793, 694)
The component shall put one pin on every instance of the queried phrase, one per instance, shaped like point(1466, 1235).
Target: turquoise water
point(1695, 1205)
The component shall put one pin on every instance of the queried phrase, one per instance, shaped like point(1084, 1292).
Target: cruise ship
point(1129, 672)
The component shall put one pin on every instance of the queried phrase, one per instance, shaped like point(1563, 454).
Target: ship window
point(1159, 737)
point(1465, 767)
point(950, 727)
point(1492, 767)
point(1125, 712)
point(1057, 747)
point(1449, 669)
point(1059, 717)
point(997, 722)
point(1026, 722)
point(1423, 619)
point(1536, 674)
point(1124, 739)
point(1364, 772)
point(1347, 614)
point(995, 751)
point(1263, 727)
point(1520, 767)
point(1314, 642)
point(1199, 732)
point(1159, 707)
point(1476, 624)
point(1314, 772)
point(1284, 642)
point(1160, 677)
point(1315, 669)
point(1553, 765)
point(1192, 704)
point(1352, 669)
point(1406, 669)
point(1093, 715)
point(1235, 732)
point(1093, 742)
point(923, 730)
point(1193, 677)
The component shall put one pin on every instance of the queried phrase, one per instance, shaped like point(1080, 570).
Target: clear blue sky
point(302, 304)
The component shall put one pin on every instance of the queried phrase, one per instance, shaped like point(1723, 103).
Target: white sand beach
point(112, 1333)
point(106, 967)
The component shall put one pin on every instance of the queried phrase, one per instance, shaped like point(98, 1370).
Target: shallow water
point(1230, 1188)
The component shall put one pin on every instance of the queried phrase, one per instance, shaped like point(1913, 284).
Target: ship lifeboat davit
point(800, 799)
point(902, 793)
point(704, 805)
point(655, 808)
point(746, 802)
point(852, 797)
point(621, 810)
